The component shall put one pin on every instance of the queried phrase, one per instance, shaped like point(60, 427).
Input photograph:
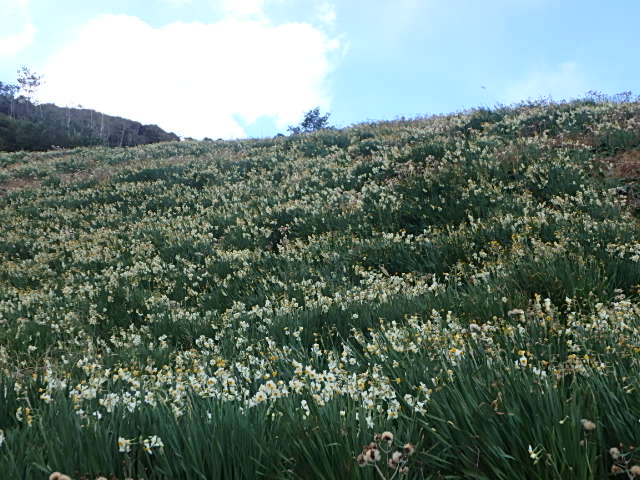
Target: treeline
point(24, 133)
point(25, 125)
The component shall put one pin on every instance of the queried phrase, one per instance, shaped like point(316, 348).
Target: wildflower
point(397, 456)
point(615, 469)
point(361, 460)
point(124, 445)
point(409, 448)
point(386, 437)
point(153, 441)
point(539, 372)
point(635, 470)
point(24, 413)
point(305, 408)
point(614, 452)
point(369, 420)
point(588, 425)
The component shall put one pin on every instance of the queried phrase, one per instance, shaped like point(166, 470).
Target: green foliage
point(18, 134)
point(615, 140)
point(261, 309)
point(28, 81)
point(312, 121)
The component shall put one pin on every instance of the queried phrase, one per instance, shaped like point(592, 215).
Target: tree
point(29, 81)
point(312, 121)
point(9, 92)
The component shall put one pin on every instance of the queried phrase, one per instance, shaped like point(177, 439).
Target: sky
point(249, 68)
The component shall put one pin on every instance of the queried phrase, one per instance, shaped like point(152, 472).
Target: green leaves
point(262, 308)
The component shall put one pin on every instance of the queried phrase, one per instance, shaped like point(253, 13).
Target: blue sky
point(238, 68)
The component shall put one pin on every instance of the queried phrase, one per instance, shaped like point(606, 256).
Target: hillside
point(26, 126)
point(261, 308)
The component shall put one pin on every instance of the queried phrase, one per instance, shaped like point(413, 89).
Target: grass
point(264, 308)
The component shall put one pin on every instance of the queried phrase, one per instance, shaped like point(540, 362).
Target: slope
point(262, 308)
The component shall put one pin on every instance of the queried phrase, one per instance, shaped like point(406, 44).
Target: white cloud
point(194, 79)
point(16, 27)
point(561, 83)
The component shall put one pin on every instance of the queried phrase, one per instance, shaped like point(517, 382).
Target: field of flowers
point(458, 294)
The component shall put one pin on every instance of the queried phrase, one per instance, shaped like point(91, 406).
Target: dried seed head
point(64, 477)
point(372, 455)
point(404, 470)
point(386, 437)
point(409, 448)
point(616, 469)
point(361, 460)
point(393, 465)
point(588, 425)
point(635, 470)
point(614, 452)
point(397, 456)
point(55, 476)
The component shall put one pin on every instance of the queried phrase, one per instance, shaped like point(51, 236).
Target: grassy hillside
point(469, 283)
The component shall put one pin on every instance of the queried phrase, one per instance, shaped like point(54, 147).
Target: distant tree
point(28, 81)
point(312, 121)
point(9, 92)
